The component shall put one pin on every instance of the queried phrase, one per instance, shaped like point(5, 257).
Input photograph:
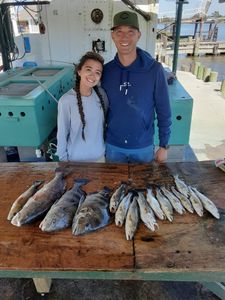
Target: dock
point(207, 140)
point(193, 47)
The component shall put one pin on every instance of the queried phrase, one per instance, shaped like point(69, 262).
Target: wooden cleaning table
point(188, 249)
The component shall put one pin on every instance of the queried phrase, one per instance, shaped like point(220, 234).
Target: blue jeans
point(122, 155)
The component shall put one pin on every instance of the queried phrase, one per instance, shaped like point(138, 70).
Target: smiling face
point(125, 39)
point(90, 74)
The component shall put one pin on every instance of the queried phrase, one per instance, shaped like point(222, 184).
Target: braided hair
point(84, 58)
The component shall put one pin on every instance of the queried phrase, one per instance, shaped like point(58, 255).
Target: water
point(188, 29)
point(216, 63)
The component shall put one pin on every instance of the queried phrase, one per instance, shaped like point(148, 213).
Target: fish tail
point(134, 192)
point(37, 183)
point(107, 190)
point(64, 171)
point(81, 181)
point(140, 190)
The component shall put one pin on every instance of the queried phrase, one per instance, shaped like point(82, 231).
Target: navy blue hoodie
point(137, 93)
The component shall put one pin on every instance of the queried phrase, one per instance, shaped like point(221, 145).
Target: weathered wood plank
point(28, 248)
point(189, 243)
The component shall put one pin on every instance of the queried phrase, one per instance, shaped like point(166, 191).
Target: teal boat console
point(181, 106)
point(28, 104)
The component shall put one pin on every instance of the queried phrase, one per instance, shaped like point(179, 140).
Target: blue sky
point(169, 6)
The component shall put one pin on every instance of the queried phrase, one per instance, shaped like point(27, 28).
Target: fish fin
point(123, 182)
point(107, 189)
point(83, 197)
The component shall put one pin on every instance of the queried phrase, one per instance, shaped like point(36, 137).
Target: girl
point(81, 114)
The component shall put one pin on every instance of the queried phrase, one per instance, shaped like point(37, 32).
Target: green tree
point(216, 14)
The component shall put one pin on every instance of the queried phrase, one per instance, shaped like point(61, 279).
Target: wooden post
point(195, 69)
point(3, 157)
point(184, 68)
point(213, 76)
point(42, 285)
point(200, 72)
point(206, 74)
point(170, 61)
point(215, 49)
point(223, 88)
point(166, 60)
point(196, 47)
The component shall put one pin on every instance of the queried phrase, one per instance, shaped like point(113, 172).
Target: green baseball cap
point(127, 18)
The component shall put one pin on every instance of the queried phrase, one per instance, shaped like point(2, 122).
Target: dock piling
point(213, 76)
point(223, 88)
point(195, 67)
point(200, 72)
point(206, 74)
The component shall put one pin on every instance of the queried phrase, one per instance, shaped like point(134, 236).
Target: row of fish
point(134, 205)
point(64, 208)
point(85, 213)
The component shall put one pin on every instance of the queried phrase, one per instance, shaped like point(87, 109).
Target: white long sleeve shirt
point(70, 145)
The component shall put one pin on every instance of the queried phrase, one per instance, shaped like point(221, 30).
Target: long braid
point(103, 107)
point(96, 57)
point(80, 105)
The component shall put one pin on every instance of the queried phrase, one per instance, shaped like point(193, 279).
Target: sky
point(167, 7)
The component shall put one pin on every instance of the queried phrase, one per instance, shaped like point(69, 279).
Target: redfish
point(41, 201)
point(23, 198)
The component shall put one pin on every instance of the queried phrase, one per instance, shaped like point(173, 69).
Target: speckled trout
point(173, 200)
point(132, 219)
point(207, 203)
point(146, 213)
point(122, 209)
point(195, 201)
point(183, 199)
point(181, 186)
point(165, 204)
point(153, 202)
point(116, 197)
